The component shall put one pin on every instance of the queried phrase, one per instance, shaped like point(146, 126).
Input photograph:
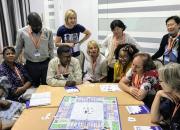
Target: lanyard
point(18, 74)
point(175, 109)
point(137, 81)
point(93, 66)
point(171, 42)
point(35, 41)
point(116, 43)
point(62, 70)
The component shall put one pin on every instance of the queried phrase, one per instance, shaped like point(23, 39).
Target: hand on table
point(70, 83)
point(134, 91)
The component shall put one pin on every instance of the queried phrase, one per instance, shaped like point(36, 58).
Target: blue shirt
point(70, 35)
point(170, 56)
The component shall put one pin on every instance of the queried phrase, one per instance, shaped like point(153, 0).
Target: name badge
point(166, 60)
point(37, 53)
point(76, 48)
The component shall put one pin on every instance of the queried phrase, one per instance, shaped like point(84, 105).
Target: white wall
point(37, 6)
point(145, 19)
point(87, 13)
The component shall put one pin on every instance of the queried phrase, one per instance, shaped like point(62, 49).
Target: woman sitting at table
point(141, 81)
point(96, 65)
point(16, 74)
point(169, 108)
point(124, 55)
point(9, 110)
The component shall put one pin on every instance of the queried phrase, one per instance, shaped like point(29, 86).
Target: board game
point(81, 112)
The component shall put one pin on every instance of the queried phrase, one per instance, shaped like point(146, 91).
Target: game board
point(81, 112)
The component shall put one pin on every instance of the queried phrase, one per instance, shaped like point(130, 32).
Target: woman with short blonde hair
point(91, 44)
point(69, 13)
point(170, 74)
point(96, 65)
point(69, 34)
point(169, 108)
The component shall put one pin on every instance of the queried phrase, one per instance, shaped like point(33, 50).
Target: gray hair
point(170, 74)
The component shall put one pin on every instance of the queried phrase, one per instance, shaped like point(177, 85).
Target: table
point(141, 119)
point(35, 119)
point(57, 93)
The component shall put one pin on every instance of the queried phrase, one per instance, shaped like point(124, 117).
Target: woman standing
point(69, 34)
point(111, 42)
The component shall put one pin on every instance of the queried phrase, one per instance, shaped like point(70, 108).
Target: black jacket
point(162, 48)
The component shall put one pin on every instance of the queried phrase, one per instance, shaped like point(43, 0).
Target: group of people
point(119, 62)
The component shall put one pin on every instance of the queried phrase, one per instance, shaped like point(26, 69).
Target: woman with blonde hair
point(69, 34)
point(96, 65)
point(166, 105)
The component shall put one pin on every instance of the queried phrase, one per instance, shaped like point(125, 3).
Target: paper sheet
point(40, 99)
point(147, 128)
point(137, 109)
point(109, 87)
